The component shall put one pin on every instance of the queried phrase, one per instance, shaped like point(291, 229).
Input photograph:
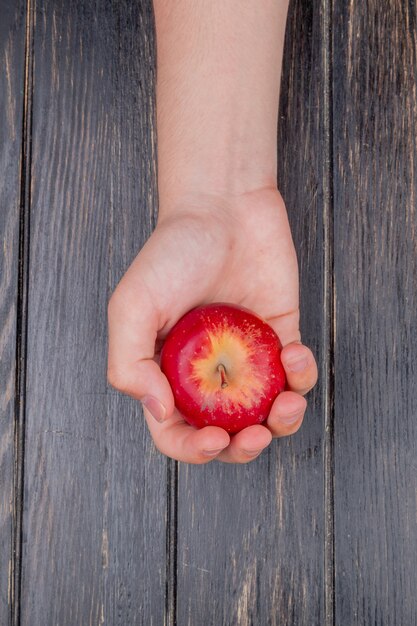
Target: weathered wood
point(94, 527)
point(251, 539)
point(375, 191)
point(12, 62)
point(246, 545)
point(137, 472)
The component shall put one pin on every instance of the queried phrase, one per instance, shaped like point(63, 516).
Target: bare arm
point(223, 232)
point(219, 71)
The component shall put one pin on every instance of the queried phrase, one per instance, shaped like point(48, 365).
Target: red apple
point(223, 364)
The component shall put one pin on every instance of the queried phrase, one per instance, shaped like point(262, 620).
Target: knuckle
point(243, 456)
point(286, 431)
point(250, 458)
point(283, 428)
point(247, 455)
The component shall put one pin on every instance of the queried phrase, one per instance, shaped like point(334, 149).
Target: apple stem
point(221, 368)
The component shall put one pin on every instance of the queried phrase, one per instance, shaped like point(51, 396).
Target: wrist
point(223, 155)
point(236, 208)
point(225, 178)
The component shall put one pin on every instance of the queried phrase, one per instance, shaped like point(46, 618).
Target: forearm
point(218, 77)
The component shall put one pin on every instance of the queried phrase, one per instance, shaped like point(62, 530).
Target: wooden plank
point(251, 538)
point(94, 549)
point(12, 62)
point(137, 484)
point(375, 191)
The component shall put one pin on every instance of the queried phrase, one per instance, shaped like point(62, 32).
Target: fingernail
point(291, 418)
point(212, 452)
point(297, 365)
point(155, 408)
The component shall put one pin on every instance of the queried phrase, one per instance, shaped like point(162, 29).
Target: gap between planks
point(21, 324)
point(329, 337)
point(171, 544)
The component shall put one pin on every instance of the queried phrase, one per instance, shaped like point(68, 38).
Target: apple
point(223, 364)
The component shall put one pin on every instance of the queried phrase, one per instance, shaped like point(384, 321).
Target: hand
point(210, 249)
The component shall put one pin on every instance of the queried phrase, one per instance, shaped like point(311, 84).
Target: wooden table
point(95, 526)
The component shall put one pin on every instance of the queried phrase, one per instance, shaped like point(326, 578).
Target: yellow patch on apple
point(226, 370)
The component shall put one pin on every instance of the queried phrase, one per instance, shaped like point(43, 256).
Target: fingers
point(300, 367)
point(287, 414)
point(288, 410)
point(298, 360)
point(285, 419)
point(246, 445)
point(180, 441)
point(133, 326)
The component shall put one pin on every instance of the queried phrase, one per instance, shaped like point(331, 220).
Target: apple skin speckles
point(224, 338)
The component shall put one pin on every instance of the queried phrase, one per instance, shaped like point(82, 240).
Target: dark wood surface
point(95, 489)
point(95, 526)
point(12, 191)
point(375, 220)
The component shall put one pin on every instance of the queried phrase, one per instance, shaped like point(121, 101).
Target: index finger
point(133, 328)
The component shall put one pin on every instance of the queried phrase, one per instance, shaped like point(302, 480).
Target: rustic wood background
point(95, 526)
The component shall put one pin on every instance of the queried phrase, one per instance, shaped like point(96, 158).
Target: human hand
point(231, 249)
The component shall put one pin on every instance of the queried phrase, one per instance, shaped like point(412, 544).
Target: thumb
point(133, 328)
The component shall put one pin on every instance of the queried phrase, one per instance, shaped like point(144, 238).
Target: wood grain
point(251, 538)
point(104, 542)
point(94, 523)
point(137, 482)
point(375, 191)
point(12, 64)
